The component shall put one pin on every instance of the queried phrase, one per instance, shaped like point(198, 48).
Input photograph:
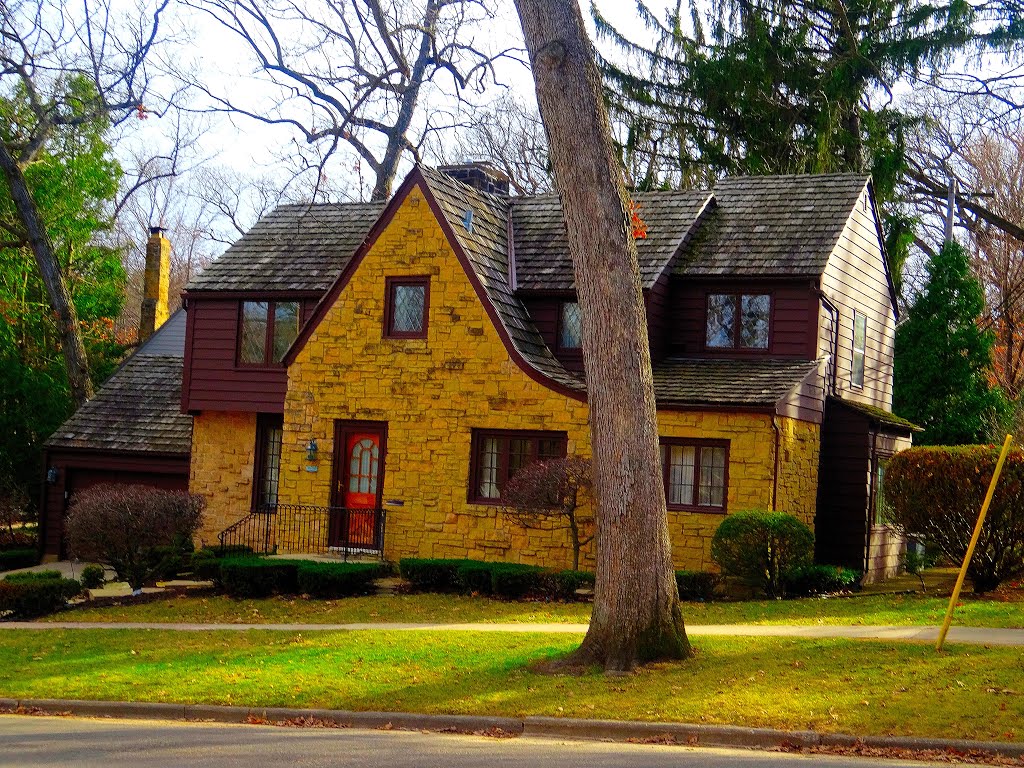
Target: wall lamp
point(311, 451)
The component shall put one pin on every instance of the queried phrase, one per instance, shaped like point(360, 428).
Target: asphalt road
point(52, 741)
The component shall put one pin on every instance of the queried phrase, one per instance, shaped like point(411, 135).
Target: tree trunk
point(636, 615)
point(75, 360)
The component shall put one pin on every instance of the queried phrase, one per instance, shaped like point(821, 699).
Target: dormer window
point(267, 330)
point(738, 321)
point(406, 304)
point(570, 327)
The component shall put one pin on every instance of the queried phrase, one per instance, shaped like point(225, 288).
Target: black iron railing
point(303, 528)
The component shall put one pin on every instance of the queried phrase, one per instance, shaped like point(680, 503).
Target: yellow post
point(974, 542)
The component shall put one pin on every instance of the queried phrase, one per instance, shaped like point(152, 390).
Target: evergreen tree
point(943, 356)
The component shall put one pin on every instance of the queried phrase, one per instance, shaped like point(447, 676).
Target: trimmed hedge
point(475, 577)
point(562, 585)
point(935, 493)
point(13, 559)
point(432, 575)
point(805, 580)
point(258, 577)
point(514, 580)
point(760, 547)
point(697, 586)
point(93, 576)
point(331, 580)
point(28, 595)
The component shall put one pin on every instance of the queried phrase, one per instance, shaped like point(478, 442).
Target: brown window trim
point(696, 443)
point(390, 283)
point(736, 349)
point(474, 456)
point(264, 423)
point(268, 342)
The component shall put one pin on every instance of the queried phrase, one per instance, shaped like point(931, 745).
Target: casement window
point(695, 473)
point(881, 514)
point(269, 431)
point(406, 307)
point(498, 455)
point(860, 336)
point(570, 327)
point(267, 329)
point(738, 321)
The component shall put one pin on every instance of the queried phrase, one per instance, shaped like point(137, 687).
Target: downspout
point(775, 468)
point(833, 312)
point(873, 438)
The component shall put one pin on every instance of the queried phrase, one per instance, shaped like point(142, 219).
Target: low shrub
point(513, 580)
point(93, 576)
point(231, 550)
point(562, 585)
point(332, 580)
point(760, 547)
point(806, 580)
point(475, 577)
point(431, 575)
point(27, 595)
point(12, 559)
point(206, 566)
point(258, 577)
point(697, 586)
point(935, 493)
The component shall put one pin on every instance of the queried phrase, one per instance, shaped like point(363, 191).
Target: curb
point(685, 734)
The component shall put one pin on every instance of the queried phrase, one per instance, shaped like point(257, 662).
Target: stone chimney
point(155, 283)
point(479, 174)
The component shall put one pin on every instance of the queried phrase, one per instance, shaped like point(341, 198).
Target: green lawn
point(865, 687)
point(873, 609)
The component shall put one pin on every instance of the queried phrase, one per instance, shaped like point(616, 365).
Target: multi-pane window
point(268, 329)
point(695, 474)
point(268, 460)
point(405, 307)
point(570, 326)
point(738, 320)
point(860, 335)
point(497, 456)
point(881, 510)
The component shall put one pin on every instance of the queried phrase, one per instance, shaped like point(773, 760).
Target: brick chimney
point(155, 283)
point(479, 174)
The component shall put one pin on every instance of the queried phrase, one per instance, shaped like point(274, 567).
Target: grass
point(873, 609)
point(865, 687)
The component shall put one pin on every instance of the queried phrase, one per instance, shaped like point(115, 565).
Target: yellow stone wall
point(223, 456)
point(433, 392)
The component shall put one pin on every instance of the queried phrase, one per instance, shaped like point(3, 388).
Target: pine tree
point(943, 356)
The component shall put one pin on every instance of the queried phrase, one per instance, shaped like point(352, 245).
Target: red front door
point(358, 482)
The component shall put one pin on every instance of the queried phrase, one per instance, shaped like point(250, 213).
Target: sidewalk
point(913, 634)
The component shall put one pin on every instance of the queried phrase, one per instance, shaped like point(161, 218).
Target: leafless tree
point(509, 135)
point(553, 494)
point(45, 51)
point(357, 74)
point(636, 616)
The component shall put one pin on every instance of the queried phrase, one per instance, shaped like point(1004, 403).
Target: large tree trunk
point(60, 298)
point(636, 615)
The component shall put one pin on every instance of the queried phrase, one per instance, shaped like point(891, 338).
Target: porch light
point(311, 450)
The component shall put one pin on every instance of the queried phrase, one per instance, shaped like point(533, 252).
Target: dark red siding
point(213, 380)
point(657, 303)
point(78, 470)
point(794, 319)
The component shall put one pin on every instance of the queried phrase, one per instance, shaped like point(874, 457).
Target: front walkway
point(970, 635)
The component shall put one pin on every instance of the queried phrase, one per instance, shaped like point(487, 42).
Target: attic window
point(570, 326)
point(267, 330)
point(738, 321)
point(406, 305)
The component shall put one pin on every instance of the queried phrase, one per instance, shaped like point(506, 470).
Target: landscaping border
point(684, 734)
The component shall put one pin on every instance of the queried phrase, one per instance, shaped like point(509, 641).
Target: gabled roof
point(138, 408)
point(779, 226)
point(542, 250)
point(294, 248)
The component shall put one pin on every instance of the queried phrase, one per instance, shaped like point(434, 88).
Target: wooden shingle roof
point(138, 409)
point(542, 251)
point(294, 248)
point(688, 381)
point(780, 226)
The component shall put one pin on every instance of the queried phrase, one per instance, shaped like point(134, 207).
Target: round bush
point(93, 576)
point(761, 547)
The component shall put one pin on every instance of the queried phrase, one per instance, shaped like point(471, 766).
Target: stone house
point(367, 376)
